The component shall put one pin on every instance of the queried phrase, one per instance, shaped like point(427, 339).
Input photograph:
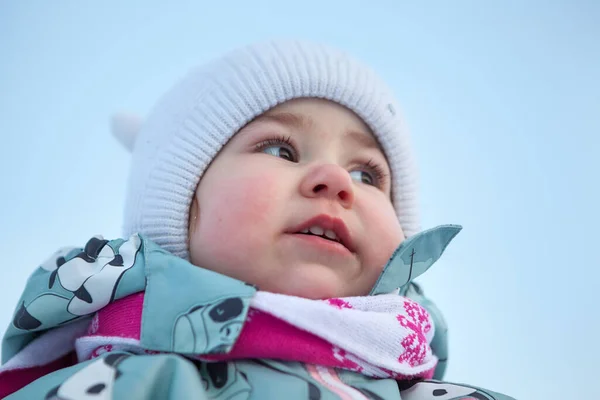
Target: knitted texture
point(338, 332)
point(198, 116)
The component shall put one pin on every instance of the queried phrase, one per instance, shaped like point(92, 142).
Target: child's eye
point(370, 174)
point(281, 148)
point(363, 177)
point(279, 151)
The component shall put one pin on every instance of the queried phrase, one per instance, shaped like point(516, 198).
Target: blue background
point(502, 99)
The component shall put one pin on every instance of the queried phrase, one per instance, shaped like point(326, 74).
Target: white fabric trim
point(49, 347)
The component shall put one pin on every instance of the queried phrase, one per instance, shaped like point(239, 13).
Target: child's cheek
point(244, 211)
point(383, 232)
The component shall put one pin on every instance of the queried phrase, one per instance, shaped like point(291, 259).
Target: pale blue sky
point(503, 102)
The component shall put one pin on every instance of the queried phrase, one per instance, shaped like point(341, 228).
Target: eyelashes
point(282, 141)
point(284, 148)
point(378, 171)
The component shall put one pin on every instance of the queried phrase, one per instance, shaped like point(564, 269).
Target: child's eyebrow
point(363, 139)
point(291, 120)
point(303, 122)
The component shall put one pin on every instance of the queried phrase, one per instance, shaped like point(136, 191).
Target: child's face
point(301, 160)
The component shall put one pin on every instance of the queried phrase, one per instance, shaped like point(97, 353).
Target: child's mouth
point(326, 230)
point(329, 235)
point(323, 243)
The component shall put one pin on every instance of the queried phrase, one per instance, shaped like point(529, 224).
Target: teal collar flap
point(413, 257)
point(191, 310)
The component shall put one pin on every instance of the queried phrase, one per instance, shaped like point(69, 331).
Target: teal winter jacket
point(60, 301)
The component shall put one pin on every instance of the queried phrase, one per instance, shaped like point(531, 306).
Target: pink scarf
point(384, 336)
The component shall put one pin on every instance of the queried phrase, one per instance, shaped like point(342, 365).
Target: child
point(272, 240)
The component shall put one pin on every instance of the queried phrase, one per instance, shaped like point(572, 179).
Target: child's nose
point(329, 181)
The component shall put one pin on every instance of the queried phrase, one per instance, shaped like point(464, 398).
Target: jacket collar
point(413, 257)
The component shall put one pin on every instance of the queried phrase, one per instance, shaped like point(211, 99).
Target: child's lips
point(321, 244)
point(326, 222)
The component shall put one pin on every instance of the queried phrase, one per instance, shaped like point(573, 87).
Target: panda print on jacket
point(78, 286)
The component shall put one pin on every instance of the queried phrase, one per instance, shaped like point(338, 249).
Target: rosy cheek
point(254, 198)
point(383, 232)
point(239, 210)
point(391, 228)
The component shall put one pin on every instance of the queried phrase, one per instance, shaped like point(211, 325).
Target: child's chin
point(311, 280)
point(309, 290)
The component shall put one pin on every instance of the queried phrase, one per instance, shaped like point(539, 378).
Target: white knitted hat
point(196, 118)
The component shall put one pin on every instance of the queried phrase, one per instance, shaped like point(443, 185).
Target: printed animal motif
point(435, 390)
point(209, 328)
point(95, 381)
point(88, 282)
point(223, 381)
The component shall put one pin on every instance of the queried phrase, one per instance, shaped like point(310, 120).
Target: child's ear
point(194, 213)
